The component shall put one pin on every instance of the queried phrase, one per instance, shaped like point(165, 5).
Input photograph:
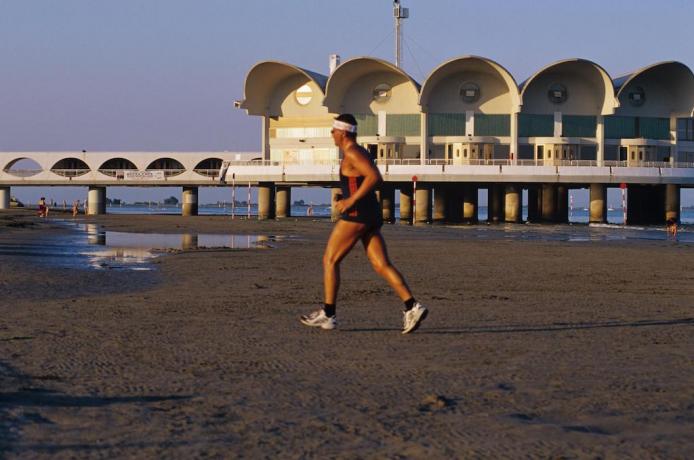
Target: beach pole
point(414, 199)
point(623, 186)
point(249, 200)
point(233, 196)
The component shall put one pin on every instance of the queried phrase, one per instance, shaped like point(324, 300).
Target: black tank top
point(366, 210)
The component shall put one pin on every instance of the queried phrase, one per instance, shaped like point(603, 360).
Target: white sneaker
point(319, 319)
point(413, 318)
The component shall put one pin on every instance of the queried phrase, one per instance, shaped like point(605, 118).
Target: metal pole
point(397, 39)
point(233, 196)
point(249, 200)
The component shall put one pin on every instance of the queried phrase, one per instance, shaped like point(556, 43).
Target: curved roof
point(670, 68)
point(442, 70)
point(267, 74)
point(610, 102)
point(352, 69)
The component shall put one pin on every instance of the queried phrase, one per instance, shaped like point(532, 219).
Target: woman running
point(361, 219)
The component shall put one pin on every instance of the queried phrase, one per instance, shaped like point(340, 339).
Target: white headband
point(337, 124)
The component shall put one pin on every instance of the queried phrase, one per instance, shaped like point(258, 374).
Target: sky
point(163, 74)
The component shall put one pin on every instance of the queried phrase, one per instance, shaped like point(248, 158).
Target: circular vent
point(382, 93)
point(637, 97)
point(469, 92)
point(304, 95)
point(557, 93)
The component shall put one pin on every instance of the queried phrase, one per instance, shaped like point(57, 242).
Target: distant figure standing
point(75, 208)
point(43, 208)
point(361, 220)
point(309, 210)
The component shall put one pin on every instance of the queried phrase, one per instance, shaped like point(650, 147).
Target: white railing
point(70, 172)
point(23, 172)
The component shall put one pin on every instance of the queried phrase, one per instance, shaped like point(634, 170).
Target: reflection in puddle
point(134, 251)
point(91, 247)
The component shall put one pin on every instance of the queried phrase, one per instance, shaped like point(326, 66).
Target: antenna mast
point(399, 12)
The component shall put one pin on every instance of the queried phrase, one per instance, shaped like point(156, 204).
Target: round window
point(637, 97)
point(469, 92)
point(381, 93)
point(557, 93)
point(304, 95)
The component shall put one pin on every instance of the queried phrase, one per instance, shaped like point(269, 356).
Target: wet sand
point(532, 349)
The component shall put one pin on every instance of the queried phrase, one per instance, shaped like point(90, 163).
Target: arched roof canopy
point(271, 89)
point(498, 90)
point(354, 84)
point(588, 89)
point(662, 90)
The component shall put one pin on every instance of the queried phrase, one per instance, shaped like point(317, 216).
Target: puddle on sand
point(93, 248)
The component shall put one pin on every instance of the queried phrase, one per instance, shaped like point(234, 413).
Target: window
point(303, 95)
point(382, 93)
point(557, 93)
point(685, 129)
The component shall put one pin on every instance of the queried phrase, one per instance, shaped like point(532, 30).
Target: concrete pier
point(513, 204)
point(441, 199)
point(534, 203)
point(548, 210)
point(189, 201)
point(5, 197)
point(672, 202)
point(266, 200)
point(470, 204)
point(283, 201)
point(598, 204)
point(455, 199)
point(562, 214)
point(423, 204)
point(388, 203)
point(495, 203)
point(406, 204)
point(189, 241)
point(96, 201)
point(334, 193)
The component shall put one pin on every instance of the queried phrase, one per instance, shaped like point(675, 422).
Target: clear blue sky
point(163, 74)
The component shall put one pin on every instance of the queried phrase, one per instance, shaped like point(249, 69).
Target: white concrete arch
point(9, 163)
point(498, 89)
point(589, 89)
point(667, 89)
point(351, 88)
point(121, 162)
point(271, 88)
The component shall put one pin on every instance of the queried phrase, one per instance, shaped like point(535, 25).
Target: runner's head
point(344, 126)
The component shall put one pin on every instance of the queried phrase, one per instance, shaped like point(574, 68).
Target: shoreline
point(542, 347)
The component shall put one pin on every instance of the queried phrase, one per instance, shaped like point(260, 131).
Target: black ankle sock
point(329, 309)
point(409, 303)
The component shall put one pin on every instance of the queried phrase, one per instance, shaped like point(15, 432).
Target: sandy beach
point(533, 349)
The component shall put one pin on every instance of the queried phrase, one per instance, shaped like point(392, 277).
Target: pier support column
point(672, 202)
point(388, 202)
point(563, 204)
point(441, 199)
point(598, 204)
point(266, 200)
point(455, 197)
point(534, 203)
point(283, 201)
point(495, 203)
point(96, 201)
point(189, 201)
point(548, 211)
point(470, 204)
point(4, 197)
point(512, 204)
point(334, 193)
point(406, 204)
point(423, 204)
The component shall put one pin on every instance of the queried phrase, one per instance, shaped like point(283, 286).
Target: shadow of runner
point(554, 327)
point(24, 395)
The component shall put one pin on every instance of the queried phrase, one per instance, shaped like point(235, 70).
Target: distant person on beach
point(309, 210)
point(43, 208)
point(360, 219)
point(75, 208)
point(671, 226)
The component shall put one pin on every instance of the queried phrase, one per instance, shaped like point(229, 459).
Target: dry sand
point(532, 349)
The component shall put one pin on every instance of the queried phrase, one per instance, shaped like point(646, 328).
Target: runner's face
point(338, 135)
